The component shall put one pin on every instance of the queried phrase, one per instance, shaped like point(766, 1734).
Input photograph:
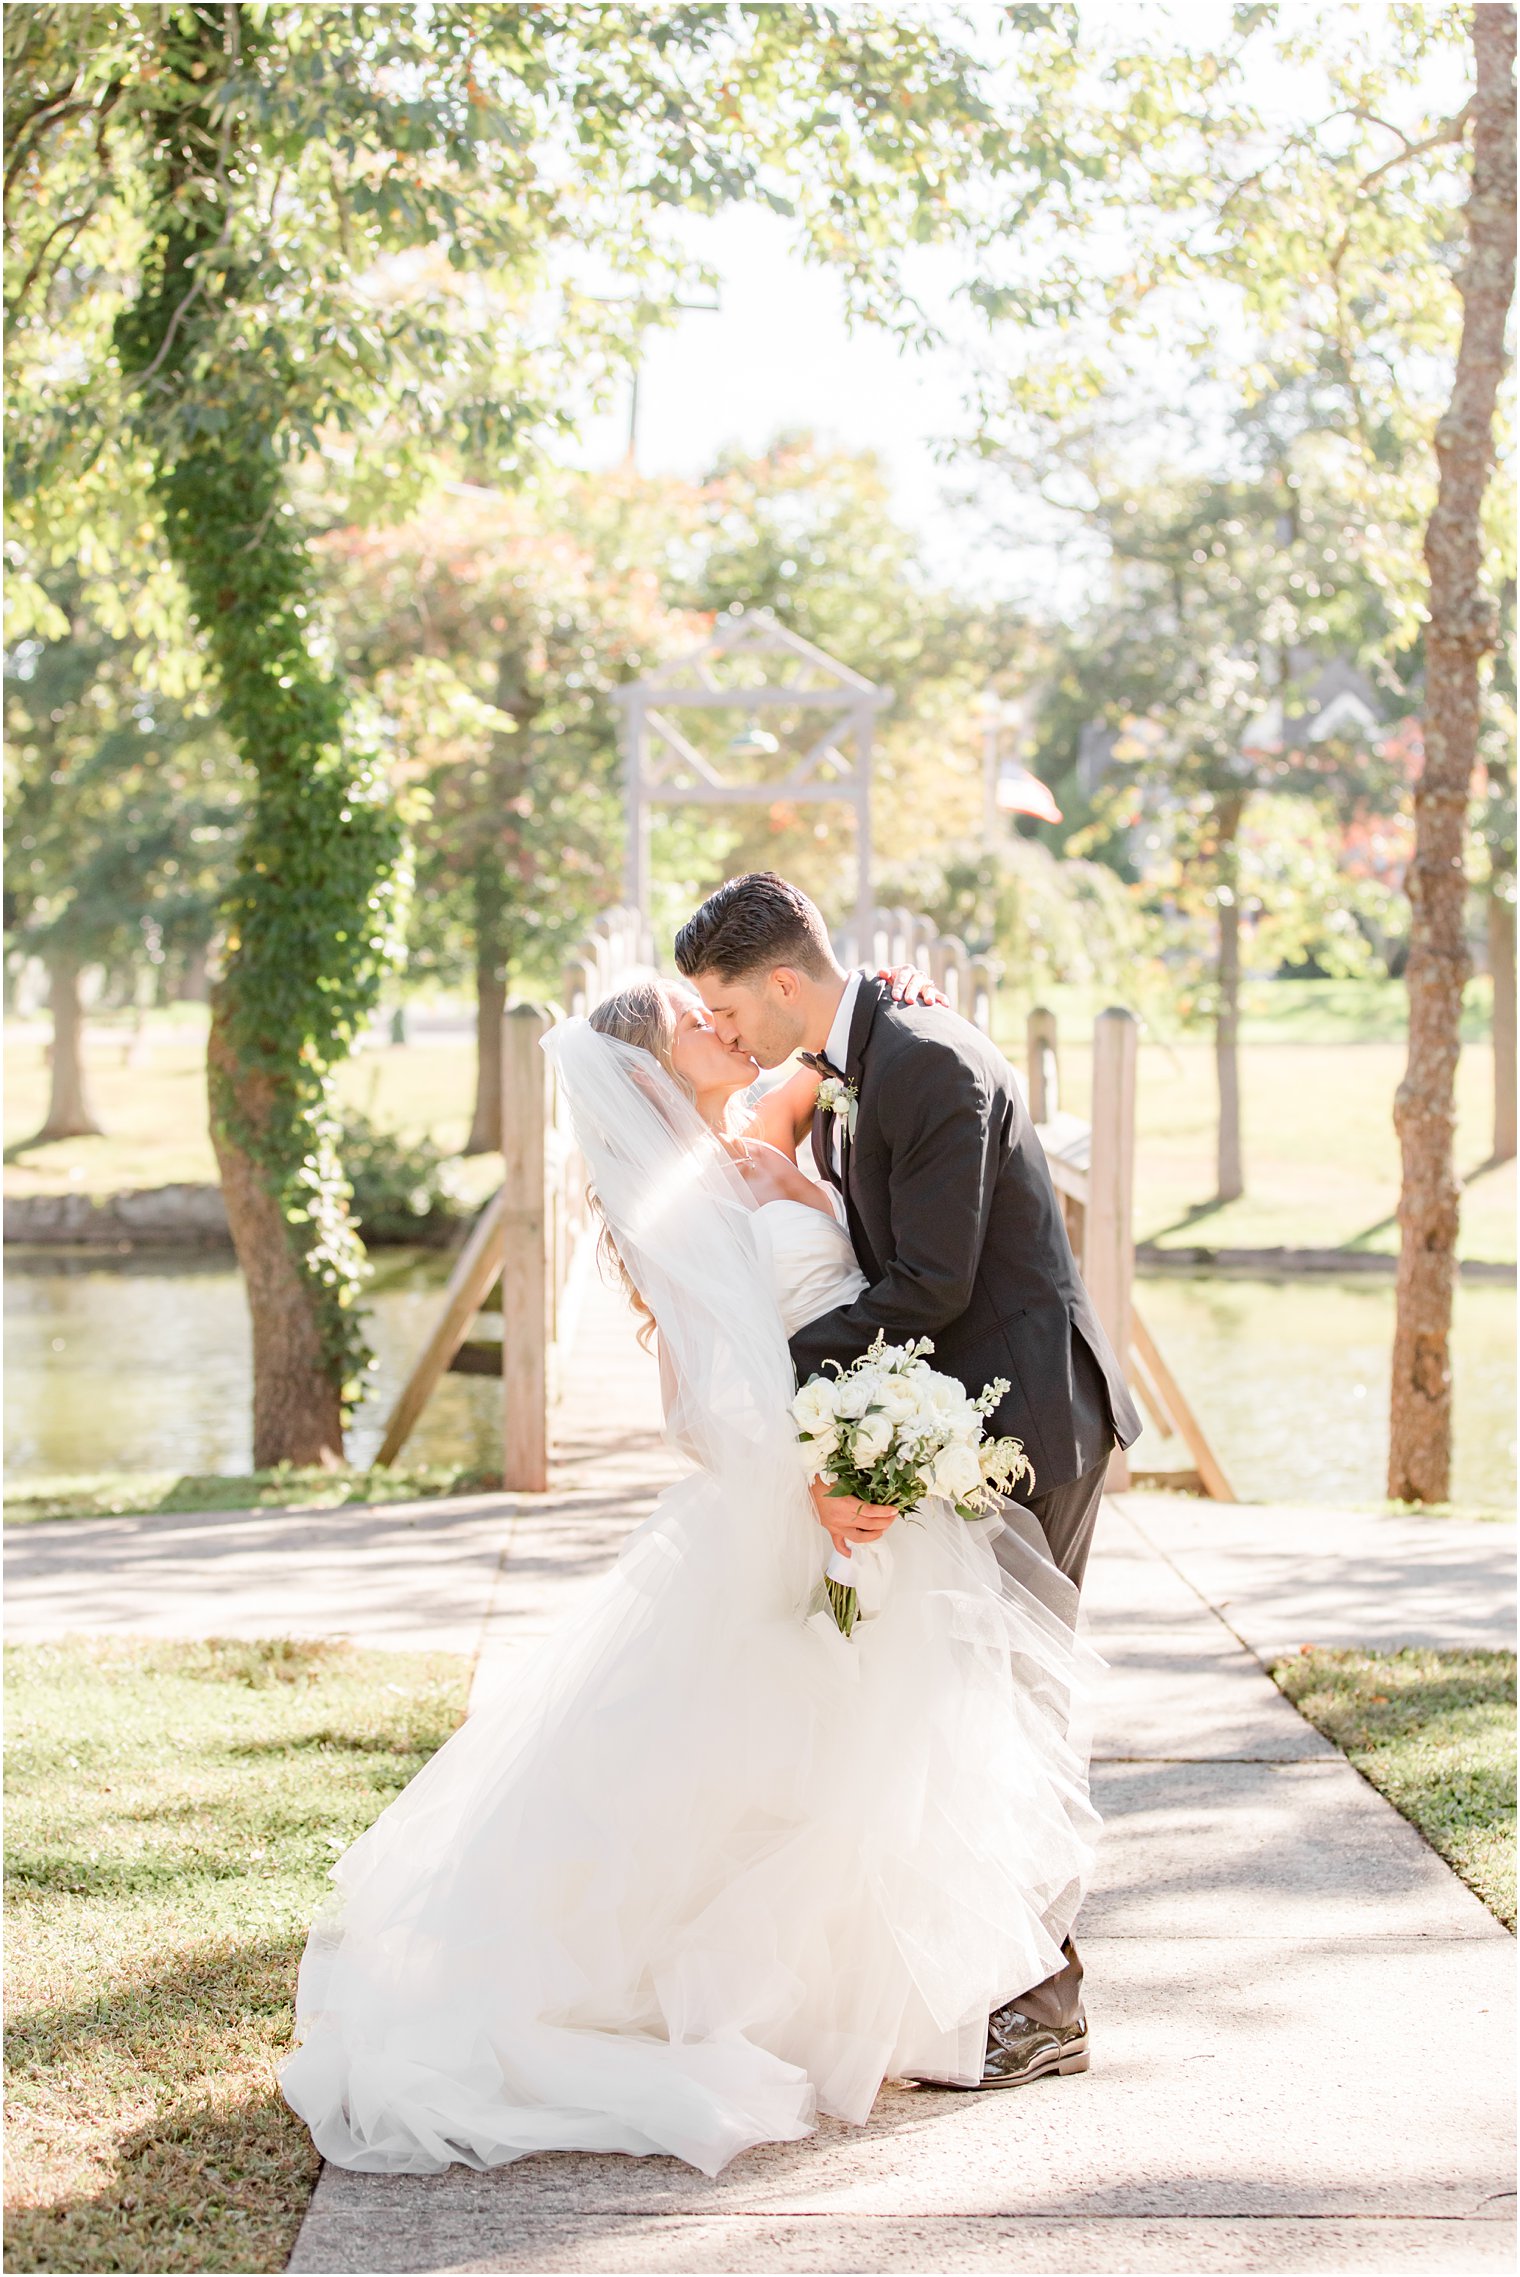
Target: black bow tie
point(821, 1064)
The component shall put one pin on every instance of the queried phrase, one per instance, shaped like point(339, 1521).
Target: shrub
point(1048, 919)
point(404, 1188)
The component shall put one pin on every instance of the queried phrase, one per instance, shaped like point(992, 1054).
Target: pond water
point(142, 1364)
point(1290, 1382)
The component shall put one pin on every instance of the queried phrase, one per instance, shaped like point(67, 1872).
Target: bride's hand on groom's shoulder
point(846, 1520)
point(907, 985)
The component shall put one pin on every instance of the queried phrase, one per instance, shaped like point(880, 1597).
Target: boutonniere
point(836, 1096)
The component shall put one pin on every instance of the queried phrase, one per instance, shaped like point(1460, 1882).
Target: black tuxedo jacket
point(960, 1235)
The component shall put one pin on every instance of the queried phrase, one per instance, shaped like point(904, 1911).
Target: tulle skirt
point(703, 1868)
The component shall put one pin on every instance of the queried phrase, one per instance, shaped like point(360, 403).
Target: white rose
point(814, 1405)
point(898, 1399)
point(957, 1472)
point(818, 1446)
point(873, 1436)
point(953, 1411)
point(854, 1396)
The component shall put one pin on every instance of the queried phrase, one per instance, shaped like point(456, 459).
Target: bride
point(706, 1869)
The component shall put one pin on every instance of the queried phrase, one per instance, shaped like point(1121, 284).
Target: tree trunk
point(1462, 627)
point(490, 1004)
point(1230, 1180)
point(69, 1113)
point(297, 1416)
point(1501, 964)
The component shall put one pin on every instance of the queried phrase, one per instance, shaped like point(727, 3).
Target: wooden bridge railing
point(617, 946)
point(904, 937)
point(1092, 1165)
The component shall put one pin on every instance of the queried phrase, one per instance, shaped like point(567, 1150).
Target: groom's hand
point(846, 1520)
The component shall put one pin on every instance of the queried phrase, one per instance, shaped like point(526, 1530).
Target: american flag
point(1019, 792)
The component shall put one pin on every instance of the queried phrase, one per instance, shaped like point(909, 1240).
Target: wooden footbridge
point(530, 1249)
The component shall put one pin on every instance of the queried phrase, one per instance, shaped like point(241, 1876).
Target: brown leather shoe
point(1019, 2050)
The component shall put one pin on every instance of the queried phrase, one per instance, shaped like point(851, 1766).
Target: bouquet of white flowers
point(892, 1430)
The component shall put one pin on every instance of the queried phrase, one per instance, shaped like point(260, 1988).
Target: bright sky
point(779, 354)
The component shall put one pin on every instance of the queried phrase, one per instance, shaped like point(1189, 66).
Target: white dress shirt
point(836, 1051)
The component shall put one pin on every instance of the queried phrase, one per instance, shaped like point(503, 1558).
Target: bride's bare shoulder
point(772, 1175)
point(782, 1117)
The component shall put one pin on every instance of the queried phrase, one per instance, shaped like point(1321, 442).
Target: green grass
point(1435, 1733)
point(1321, 1157)
point(113, 1494)
point(1272, 1011)
point(172, 1810)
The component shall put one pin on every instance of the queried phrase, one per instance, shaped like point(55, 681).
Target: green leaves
point(122, 798)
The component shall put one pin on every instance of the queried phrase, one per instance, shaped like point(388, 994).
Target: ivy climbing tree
point(320, 870)
point(242, 237)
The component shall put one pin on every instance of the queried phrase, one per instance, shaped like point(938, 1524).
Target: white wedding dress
point(706, 1868)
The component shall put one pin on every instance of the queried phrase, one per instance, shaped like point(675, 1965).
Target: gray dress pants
point(1067, 1517)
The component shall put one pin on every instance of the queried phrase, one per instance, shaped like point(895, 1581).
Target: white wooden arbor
point(768, 719)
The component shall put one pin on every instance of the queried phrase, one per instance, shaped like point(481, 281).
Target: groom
point(958, 1231)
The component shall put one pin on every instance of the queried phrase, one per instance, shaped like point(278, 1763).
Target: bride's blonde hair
point(641, 1014)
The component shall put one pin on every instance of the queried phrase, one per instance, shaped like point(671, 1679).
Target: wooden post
point(526, 1262)
point(960, 965)
point(1108, 1261)
point(1044, 1066)
point(902, 934)
point(579, 985)
point(947, 968)
point(983, 994)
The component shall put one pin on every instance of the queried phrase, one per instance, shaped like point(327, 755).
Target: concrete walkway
point(1300, 2017)
point(1286, 1576)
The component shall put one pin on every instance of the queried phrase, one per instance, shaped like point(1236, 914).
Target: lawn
point(153, 1107)
point(1319, 1068)
point(172, 1810)
point(1435, 1733)
point(113, 1494)
point(1318, 1075)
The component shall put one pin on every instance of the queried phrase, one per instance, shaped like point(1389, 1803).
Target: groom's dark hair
point(754, 923)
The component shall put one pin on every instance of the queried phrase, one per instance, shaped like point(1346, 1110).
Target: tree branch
point(1452, 130)
point(60, 109)
point(74, 223)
